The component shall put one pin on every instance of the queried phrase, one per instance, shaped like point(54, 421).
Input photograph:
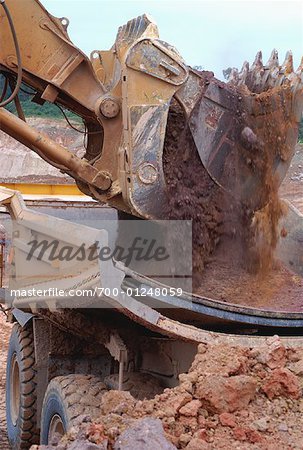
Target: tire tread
point(79, 395)
point(29, 434)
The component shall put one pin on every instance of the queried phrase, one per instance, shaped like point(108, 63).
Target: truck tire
point(140, 385)
point(21, 397)
point(67, 398)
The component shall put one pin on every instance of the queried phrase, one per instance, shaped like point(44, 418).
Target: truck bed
point(228, 296)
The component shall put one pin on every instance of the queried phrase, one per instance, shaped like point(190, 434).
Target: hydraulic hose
point(18, 55)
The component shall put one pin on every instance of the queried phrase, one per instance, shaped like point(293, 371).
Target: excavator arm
point(125, 96)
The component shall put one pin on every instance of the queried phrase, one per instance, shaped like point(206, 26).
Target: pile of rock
point(232, 397)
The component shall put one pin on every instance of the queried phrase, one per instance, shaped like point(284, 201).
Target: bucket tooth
point(244, 72)
point(281, 80)
point(273, 60)
point(245, 67)
point(259, 77)
point(256, 73)
point(288, 66)
point(265, 81)
point(273, 78)
point(258, 62)
point(139, 27)
point(234, 76)
point(299, 70)
point(296, 82)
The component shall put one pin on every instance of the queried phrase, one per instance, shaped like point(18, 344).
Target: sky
point(214, 34)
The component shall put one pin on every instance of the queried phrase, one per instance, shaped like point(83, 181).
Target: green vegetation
point(31, 109)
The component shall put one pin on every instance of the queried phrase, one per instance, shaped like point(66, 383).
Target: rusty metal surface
point(246, 130)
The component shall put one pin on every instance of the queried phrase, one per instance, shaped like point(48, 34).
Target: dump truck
point(167, 146)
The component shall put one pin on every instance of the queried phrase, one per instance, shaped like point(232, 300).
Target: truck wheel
point(21, 389)
point(139, 385)
point(67, 398)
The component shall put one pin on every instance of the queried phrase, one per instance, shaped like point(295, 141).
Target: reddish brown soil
point(278, 289)
point(192, 194)
point(233, 249)
point(232, 398)
point(226, 279)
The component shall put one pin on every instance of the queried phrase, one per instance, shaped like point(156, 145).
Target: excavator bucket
point(246, 130)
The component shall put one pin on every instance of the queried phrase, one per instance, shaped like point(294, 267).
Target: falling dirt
point(233, 246)
point(278, 289)
point(292, 186)
point(226, 279)
point(192, 194)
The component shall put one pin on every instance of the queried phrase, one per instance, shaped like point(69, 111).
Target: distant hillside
point(31, 109)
